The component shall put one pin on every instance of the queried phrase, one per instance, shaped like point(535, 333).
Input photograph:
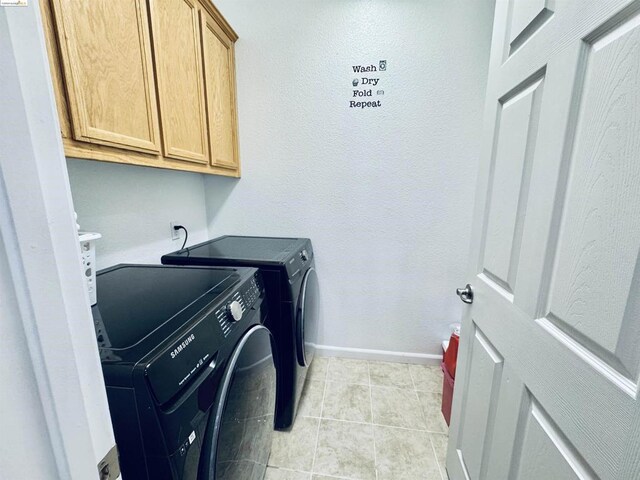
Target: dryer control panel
point(299, 261)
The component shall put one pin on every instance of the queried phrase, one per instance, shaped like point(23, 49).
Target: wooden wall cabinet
point(105, 47)
point(221, 96)
point(145, 82)
point(176, 43)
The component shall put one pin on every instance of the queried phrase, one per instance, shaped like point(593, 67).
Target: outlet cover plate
point(175, 234)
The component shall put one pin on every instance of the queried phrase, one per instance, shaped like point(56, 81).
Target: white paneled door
point(547, 379)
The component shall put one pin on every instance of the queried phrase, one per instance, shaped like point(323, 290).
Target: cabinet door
point(219, 76)
point(106, 53)
point(177, 53)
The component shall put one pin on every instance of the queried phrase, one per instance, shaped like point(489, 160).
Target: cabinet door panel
point(180, 81)
point(220, 91)
point(106, 53)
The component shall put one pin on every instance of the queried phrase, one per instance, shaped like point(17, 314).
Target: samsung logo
point(183, 345)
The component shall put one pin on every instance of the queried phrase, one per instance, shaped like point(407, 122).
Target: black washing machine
point(288, 269)
point(189, 370)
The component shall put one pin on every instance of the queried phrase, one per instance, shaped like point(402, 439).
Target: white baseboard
point(381, 355)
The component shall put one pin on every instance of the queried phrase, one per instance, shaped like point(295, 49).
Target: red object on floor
point(447, 393)
point(450, 356)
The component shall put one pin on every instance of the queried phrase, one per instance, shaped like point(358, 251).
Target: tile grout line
point(413, 382)
point(415, 391)
point(324, 393)
point(441, 468)
point(373, 428)
point(375, 424)
point(309, 473)
point(424, 417)
point(435, 454)
point(290, 470)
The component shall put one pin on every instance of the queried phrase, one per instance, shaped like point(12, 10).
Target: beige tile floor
point(362, 420)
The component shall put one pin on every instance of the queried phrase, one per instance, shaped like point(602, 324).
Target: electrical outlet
point(175, 234)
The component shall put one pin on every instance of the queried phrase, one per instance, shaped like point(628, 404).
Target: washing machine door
point(307, 318)
point(237, 442)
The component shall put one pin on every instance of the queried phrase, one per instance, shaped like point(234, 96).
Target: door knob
point(465, 294)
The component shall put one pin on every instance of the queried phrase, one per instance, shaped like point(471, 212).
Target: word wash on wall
point(367, 88)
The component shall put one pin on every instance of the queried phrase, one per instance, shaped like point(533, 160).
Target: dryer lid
point(252, 250)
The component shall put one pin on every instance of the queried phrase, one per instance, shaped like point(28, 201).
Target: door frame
point(40, 238)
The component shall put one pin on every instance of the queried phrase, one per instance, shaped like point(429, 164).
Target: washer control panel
point(235, 311)
point(239, 303)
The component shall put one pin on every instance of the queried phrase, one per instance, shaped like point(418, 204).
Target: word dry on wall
point(367, 88)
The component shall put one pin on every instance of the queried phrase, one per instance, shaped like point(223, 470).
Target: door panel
point(511, 172)
point(526, 18)
point(220, 91)
point(106, 53)
point(597, 256)
point(176, 42)
point(482, 390)
point(555, 269)
point(543, 451)
point(512, 401)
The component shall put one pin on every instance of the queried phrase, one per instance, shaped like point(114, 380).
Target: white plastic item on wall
point(88, 252)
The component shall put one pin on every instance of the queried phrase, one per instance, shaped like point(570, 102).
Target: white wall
point(384, 194)
point(132, 208)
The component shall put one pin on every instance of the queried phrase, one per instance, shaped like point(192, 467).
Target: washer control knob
point(234, 309)
point(304, 256)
